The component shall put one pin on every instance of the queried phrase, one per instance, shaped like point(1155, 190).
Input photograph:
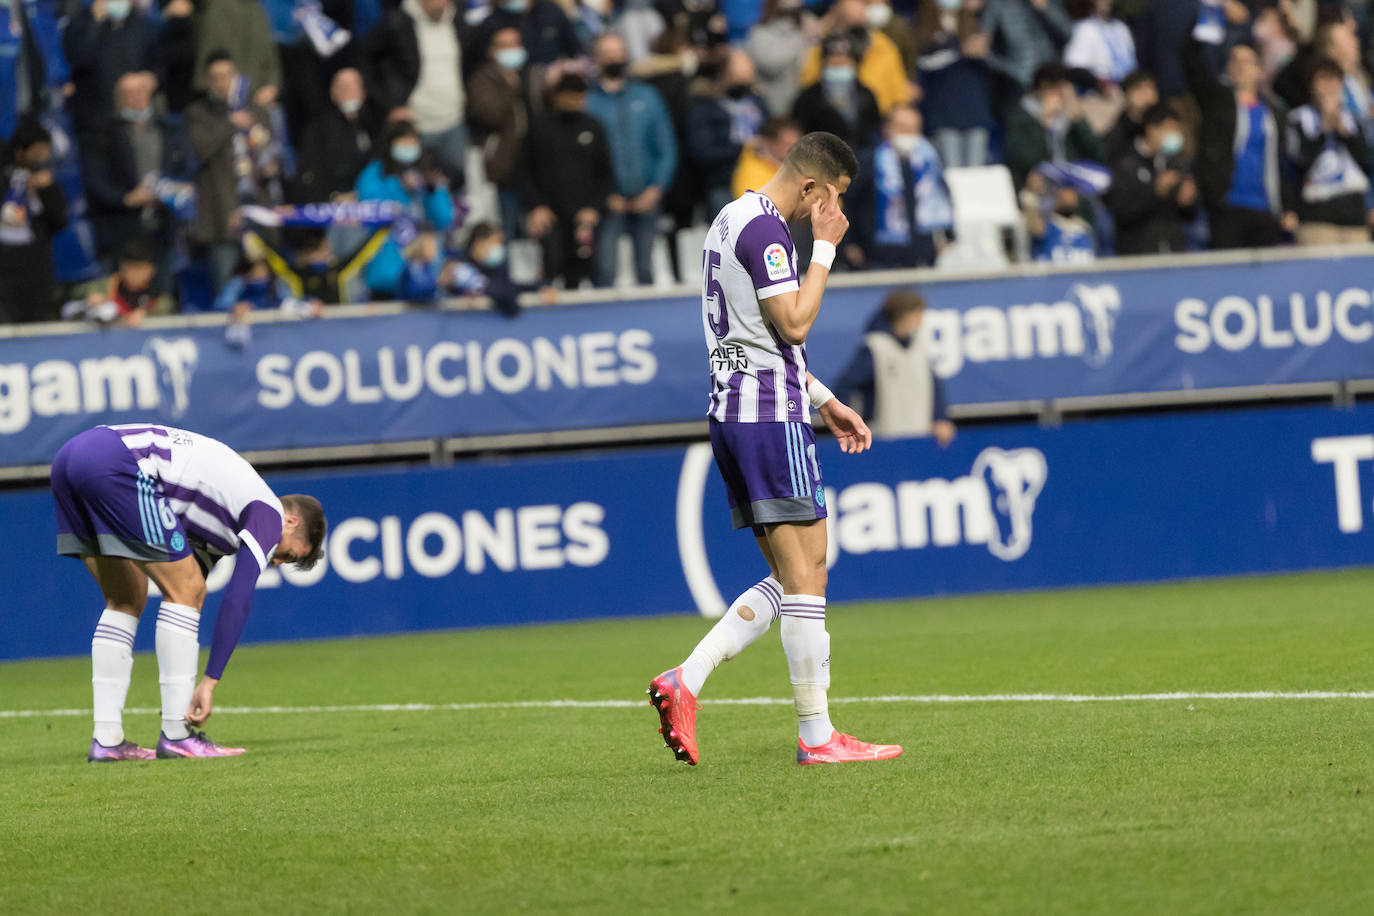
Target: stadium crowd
point(240, 154)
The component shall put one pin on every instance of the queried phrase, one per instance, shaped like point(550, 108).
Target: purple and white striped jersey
point(755, 376)
point(222, 502)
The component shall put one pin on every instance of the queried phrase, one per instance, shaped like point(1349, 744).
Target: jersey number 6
point(716, 314)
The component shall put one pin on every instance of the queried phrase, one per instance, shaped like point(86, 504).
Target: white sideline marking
point(749, 701)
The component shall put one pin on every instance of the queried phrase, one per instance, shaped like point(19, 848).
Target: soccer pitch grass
point(1141, 806)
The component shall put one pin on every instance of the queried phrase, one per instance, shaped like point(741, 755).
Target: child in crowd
point(485, 271)
point(1054, 218)
point(128, 296)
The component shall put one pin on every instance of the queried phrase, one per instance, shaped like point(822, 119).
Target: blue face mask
point(256, 289)
point(1172, 144)
point(405, 153)
point(118, 10)
point(512, 58)
point(515, 6)
point(136, 115)
point(840, 75)
point(495, 256)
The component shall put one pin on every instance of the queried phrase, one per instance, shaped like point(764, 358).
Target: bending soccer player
point(142, 502)
point(757, 316)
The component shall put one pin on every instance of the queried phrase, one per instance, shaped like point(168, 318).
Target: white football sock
point(734, 632)
point(112, 664)
point(178, 655)
point(807, 646)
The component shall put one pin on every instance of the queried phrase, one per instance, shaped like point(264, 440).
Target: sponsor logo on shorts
point(178, 542)
point(820, 496)
point(776, 262)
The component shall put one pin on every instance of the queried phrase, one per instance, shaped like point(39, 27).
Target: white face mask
point(905, 144)
point(878, 15)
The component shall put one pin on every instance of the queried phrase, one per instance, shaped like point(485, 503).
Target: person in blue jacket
point(401, 175)
point(643, 158)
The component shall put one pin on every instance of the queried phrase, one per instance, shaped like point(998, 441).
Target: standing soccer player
point(757, 316)
point(140, 502)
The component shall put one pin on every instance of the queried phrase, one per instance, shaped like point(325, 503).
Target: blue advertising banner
point(435, 374)
point(648, 532)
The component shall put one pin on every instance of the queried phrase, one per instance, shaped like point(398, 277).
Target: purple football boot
point(124, 750)
point(194, 745)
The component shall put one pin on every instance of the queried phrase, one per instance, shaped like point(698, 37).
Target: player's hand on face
point(828, 222)
point(202, 702)
point(849, 428)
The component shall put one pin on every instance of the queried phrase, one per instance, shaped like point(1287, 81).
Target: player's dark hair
point(138, 250)
point(901, 302)
point(822, 156)
point(1158, 113)
point(313, 524)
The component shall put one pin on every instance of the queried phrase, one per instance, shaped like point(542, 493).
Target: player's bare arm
point(792, 314)
point(849, 428)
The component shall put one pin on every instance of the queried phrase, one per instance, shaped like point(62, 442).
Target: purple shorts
point(770, 471)
point(107, 506)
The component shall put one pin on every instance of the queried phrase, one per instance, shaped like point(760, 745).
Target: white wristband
point(818, 392)
point(823, 253)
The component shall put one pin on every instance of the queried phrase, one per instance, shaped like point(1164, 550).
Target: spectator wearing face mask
point(399, 174)
point(123, 165)
point(1153, 195)
point(416, 63)
point(1048, 127)
point(546, 33)
point(106, 40)
point(644, 154)
point(485, 271)
point(719, 124)
point(878, 62)
point(955, 81)
point(839, 104)
point(761, 158)
point(1329, 164)
point(1054, 220)
point(500, 118)
point(899, 203)
point(777, 46)
point(566, 178)
point(34, 210)
point(336, 145)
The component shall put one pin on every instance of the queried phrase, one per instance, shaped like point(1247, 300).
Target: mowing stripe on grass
point(750, 701)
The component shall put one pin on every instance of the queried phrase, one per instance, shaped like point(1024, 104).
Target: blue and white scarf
point(323, 215)
point(17, 210)
point(1210, 28)
point(934, 209)
point(1083, 176)
point(324, 33)
point(1334, 173)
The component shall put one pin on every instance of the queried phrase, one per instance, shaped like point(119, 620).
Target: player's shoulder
point(752, 220)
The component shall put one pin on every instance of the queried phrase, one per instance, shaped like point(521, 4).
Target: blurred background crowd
point(240, 154)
